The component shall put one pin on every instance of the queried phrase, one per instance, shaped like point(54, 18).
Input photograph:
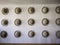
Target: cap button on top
point(31, 21)
point(31, 33)
point(45, 21)
point(31, 10)
point(45, 33)
point(17, 22)
point(4, 34)
point(18, 10)
point(5, 11)
point(45, 10)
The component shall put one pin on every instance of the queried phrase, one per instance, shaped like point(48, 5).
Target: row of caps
point(31, 22)
point(31, 34)
point(31, 10)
